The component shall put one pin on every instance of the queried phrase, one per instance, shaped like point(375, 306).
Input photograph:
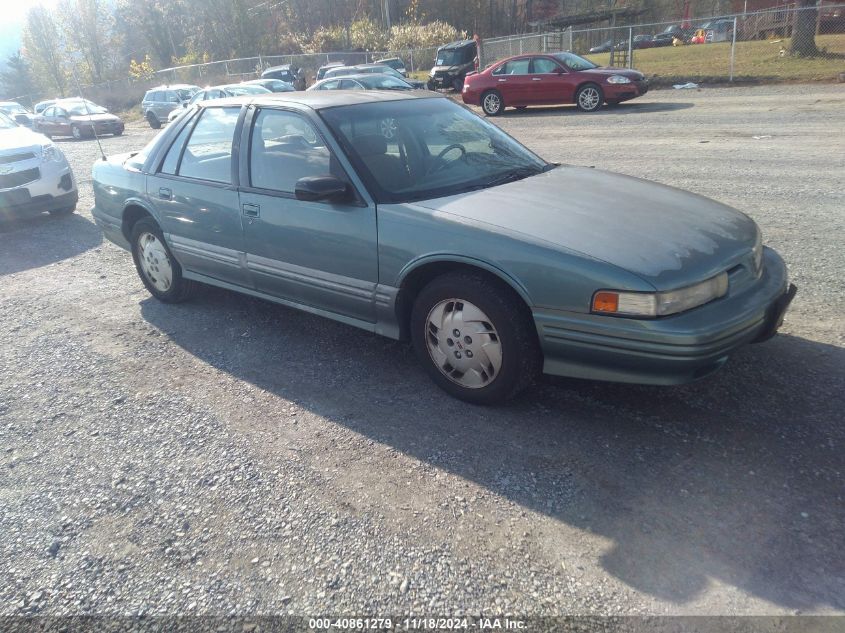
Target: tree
point(44, 50)
point(88, 32)
point(804, 29)
point(15, 78)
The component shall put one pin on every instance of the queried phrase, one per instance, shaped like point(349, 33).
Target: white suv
point(34, 173)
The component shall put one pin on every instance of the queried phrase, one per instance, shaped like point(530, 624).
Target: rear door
point(318, 254)
point(514, 81)
point(195, 195)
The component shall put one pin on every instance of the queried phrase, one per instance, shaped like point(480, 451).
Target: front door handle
point(536, 79)
point(251, 210)
point(164, 193)
point(501, 80)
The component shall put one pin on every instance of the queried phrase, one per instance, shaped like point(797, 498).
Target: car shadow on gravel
point(734, 480)
point(629, 107)
point(38, 240)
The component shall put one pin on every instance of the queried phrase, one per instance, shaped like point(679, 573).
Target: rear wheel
point(492, 103)
point(76, 132)
point(158, 269)
point(153, 121)
point(589, 98)
point(475, 338)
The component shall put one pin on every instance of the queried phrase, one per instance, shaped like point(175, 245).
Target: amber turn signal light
point(605, 302)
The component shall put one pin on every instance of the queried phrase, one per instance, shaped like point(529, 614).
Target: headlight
point(757, 253)
point(618, 79)
point(51, 153)
point(655, 304)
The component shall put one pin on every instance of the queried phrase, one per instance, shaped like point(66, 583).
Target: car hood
point(88, 118)
point(668, 237)
point(607, 71)
point(437, 69)
point(20, 138)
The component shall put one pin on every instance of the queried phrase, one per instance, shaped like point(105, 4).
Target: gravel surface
point(230, 456)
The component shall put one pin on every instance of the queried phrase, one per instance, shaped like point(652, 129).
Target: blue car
point(447, 232)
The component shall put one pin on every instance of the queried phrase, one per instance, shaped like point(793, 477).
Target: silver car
point(161, 101)
point(34, 173)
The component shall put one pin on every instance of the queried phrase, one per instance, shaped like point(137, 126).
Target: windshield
point(185, 94)
point(451, 57)
point(246, 89)
point(6, 123)
point(574, 62)
point(84, 108)
point(384, 82)
point(12, 108)
point(427, 148)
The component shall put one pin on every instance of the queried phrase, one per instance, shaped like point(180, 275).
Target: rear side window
point(515, 67)
point(171, 161)
point(208, 154)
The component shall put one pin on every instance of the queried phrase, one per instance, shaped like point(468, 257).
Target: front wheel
point(153, 121)
point(76, 132)
point(589, 98)
point(492, 103)
point(475, 338)
point(158, 269)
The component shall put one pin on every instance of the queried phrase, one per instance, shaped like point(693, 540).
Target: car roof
point(282, 67)
point(324, 99)
point(172, 87)
point(8, 103)
point(333, 65)
point(458, 44)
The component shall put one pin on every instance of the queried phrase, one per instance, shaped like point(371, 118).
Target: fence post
point(412, 59)
point(631, 46)
point(733, 50)
point(570, 39)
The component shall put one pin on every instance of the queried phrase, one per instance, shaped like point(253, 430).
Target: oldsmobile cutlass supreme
point(495, 263)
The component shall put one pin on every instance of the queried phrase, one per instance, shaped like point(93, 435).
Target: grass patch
point(755, 61)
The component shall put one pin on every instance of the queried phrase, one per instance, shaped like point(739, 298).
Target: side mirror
point(316, 188)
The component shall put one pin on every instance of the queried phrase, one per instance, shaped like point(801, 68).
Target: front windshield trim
point(509, 172)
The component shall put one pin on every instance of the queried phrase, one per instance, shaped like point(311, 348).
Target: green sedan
point(494, 263)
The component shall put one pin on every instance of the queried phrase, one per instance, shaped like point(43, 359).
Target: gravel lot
point(229, 456)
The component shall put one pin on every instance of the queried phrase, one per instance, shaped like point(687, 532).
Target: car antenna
point(88, 112)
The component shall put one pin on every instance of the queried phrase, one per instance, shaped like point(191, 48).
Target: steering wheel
point(439, 162)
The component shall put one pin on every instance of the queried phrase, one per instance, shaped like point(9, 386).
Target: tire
point(589, 98)
point(62, 211)
point(493, 328)
point(492, 103)
point(118, 133)
point(76, 132)
point(153, 259)
point(153, 121)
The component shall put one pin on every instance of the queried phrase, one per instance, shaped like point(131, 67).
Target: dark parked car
point(395, 63)
point(451, 65)
point(78, 118)
point(551, 79)
point(17, 112)
point(496, 264)
point(360, 69)
point(643, 41)
point(287, 73)
point(604, 47)
point(322, 70)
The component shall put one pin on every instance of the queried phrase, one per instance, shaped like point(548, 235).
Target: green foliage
point(16, 79)
point(141, 71)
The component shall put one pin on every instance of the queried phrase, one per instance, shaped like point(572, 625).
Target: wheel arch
point(133, 211)
point(417, 274)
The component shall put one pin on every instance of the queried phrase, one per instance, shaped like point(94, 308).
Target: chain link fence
point(759, 46)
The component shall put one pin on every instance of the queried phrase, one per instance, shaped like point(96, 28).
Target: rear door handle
point(251, 210)
point(501, 80)
point(164, 193)
point(536, 79)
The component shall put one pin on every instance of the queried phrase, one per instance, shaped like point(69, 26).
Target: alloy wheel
point(492, 103)
point(589, 98)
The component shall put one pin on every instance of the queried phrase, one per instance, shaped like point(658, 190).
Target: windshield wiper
point(512, 175)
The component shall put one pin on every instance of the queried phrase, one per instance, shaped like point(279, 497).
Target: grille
point(16, 158)
point(7, 181)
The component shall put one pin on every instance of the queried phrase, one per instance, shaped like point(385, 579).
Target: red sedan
point(550, 79)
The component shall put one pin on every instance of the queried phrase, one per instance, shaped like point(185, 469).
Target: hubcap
point(463, 343)
point(589, 98)
point(388, 128)
point(154, 262)
point(76, 132)
point(492, 103)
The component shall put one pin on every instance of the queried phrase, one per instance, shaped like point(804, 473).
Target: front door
point(552, 83)
point(318, 254)
point(197, 203)
point(514, 81)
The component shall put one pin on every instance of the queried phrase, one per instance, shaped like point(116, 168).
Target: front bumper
point(623, 92)
point(670, 350)
point(54, 189)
